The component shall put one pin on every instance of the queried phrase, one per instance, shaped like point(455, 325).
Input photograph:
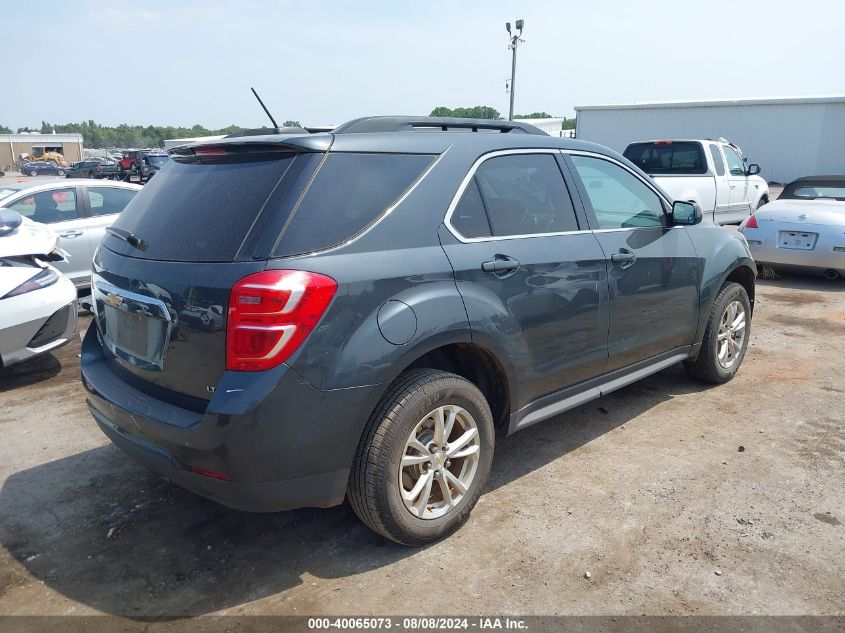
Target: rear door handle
point(71, 234)
point(624, 258)
point(500, 264)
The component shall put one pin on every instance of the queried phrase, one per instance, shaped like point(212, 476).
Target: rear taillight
point(43, 279)
point(750, 223)
point(271, 313)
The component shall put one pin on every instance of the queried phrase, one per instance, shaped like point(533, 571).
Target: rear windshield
point(199, 211)
point(811, 190)
point(668, 157)
point(249, 209)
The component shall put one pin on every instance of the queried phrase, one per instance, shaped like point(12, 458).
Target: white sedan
point(77, 210)
point(37, 302)
point(803, 229)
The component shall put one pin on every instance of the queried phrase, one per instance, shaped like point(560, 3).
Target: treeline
point(124, 135)
point(486, 112)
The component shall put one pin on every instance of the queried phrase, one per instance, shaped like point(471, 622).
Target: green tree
point(534, 115)
point(5, 130)
point(475, 112)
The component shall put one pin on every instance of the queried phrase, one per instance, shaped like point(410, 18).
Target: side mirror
point(753, 169)
point(685, 213)
point(9, 221)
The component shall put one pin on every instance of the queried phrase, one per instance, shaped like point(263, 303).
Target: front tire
point(424, 457)
point(725, 339)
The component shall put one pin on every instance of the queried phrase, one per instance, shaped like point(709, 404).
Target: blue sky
point(182, 62)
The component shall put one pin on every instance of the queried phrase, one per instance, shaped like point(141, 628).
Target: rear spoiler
point(254, 144)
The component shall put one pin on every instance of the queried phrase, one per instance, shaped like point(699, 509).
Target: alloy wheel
point(439, 462)
point(732, 327)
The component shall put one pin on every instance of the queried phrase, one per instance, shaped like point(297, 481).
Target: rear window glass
point(199, 211)
point(349, 192)
point(670, 157)
point(830, 190)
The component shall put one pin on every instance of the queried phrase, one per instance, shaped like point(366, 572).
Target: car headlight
point(46, 277)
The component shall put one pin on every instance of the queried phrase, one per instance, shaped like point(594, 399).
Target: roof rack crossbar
point(444, 124)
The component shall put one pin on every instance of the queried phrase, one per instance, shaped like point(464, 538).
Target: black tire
point(762, 201)
point(707, 368)
point(90, 174)
point(374, 490)
point(62, 172)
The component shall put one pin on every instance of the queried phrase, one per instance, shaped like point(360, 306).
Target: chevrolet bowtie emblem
point(114, 300)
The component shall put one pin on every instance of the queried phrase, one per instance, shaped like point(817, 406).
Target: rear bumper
point(282, 443)
point(765, 250)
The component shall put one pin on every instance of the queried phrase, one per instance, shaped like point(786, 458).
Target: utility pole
point(515, 39)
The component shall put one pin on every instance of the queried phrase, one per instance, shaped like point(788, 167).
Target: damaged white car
point(37, 303)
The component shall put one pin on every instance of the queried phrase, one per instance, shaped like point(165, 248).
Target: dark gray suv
point(288, 320)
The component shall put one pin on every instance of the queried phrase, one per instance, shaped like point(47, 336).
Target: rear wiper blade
point(130, 238)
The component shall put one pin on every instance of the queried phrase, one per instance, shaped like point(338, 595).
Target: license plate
point(131, 335)
point(138, 339)
point(797, 240)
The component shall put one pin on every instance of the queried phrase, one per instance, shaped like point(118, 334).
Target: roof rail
point(430, 123)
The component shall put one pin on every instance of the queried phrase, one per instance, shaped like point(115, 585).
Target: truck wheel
point(424, 457)
point(763, 200)
point(725, 339)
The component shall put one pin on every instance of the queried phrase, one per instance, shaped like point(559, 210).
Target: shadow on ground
point(172, 554)
point(29, 372)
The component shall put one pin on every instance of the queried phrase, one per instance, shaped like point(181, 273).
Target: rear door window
point(109, 200)
point(349, 193)
point(668, 157)
point(469, 217)
point(525, 194)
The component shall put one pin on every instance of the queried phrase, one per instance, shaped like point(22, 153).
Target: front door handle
point(71, 234)
point(500, 264)
point(624, 258)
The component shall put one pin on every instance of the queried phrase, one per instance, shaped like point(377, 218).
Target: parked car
point(804, 229)
point(42, 168)
point(93, 168)
point(710, 173)
point(37, 303)
point(78, 211)
point(396, 293)
point(151, 164)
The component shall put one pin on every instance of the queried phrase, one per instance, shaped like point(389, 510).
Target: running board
point(556, 408)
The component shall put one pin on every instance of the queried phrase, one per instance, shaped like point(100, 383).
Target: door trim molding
point(571, 397)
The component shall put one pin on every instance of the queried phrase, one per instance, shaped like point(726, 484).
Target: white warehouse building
point(788, 138)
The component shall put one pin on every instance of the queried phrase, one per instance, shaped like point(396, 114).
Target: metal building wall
point(789, 138)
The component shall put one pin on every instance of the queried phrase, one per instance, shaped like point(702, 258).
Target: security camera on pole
point(516, 38)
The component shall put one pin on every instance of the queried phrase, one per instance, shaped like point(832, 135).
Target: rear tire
point(388, 462)
point(725, 339)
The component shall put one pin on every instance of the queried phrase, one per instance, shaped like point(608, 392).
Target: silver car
point(803, 229)
point(78, 211)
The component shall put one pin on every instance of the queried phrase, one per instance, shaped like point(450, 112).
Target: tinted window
point(348, 193)
point(525, 195)
point(718, 161)
point(735, 164)
point(668, 157)
point(469, 218)
point(108, 200)
point(619, 199)
point(199, 211)
point(56, 205)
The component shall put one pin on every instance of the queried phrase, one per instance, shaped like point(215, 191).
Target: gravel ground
point(675, 497)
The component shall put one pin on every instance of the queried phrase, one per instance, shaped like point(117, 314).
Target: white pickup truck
point(711, 173)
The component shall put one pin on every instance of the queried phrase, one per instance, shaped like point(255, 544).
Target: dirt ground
point(675, 497)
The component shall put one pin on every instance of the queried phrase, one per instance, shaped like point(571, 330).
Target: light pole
point(515, 40)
